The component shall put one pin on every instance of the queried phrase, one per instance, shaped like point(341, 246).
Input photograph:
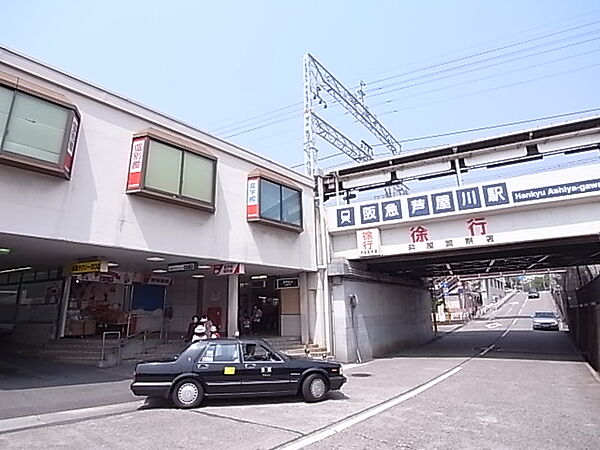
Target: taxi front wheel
point(315, 388)
point(188, 394)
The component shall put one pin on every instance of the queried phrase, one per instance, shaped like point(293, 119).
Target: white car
point(545, 320)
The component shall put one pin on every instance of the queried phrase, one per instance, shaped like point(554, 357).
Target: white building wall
point(93, 208)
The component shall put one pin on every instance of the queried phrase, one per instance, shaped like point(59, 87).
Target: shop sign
point(112, 277)
point(287, 283)
point(182, 267)
point(252, 199)
point(369, 242)
point(136, 164)
point(228, 269)
point(156, 280)
point(71, 144)
point(90, 266)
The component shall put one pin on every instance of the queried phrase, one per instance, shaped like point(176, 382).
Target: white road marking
point(493, 325)
point(486, 350)
point(21, 423)
point(351, 421)
point(513, 303)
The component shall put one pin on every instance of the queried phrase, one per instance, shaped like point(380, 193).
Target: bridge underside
point(502, 259)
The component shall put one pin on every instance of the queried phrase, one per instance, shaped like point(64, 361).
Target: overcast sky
point(430, 67)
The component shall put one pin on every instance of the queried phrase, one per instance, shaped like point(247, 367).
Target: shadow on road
point(19, 371)
point(163, 403)
point(528, 345)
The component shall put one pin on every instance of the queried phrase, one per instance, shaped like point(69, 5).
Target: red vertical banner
point(252, 199)
point(71, 144)
point(136, 163)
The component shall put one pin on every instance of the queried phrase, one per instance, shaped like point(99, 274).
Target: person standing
point(257, 316)
point(201, 332)
point(190, 330)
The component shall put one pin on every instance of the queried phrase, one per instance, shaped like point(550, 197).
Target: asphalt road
point(491, 384)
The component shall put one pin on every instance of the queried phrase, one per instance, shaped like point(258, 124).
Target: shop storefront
point(30, 303)
point(269, 306)
point(115, 301)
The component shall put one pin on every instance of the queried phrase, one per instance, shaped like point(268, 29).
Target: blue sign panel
point(468, 198)
point(495, 194)
point(442, 202)
point(418, 206)
point(369, 213)
point(391, 210)
point(558, 190)
point(345, 217)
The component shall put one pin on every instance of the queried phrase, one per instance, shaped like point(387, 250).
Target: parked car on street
point(235, 368)
point(545, 320)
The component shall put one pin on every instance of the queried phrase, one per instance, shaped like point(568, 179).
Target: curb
point(69, 416)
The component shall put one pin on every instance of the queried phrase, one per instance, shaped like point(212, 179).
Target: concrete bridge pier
point(375, 314)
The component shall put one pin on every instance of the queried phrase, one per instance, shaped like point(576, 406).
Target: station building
point(117, 217)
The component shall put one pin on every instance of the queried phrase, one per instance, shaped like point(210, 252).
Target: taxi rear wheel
point(315, 388)
point(188, 394)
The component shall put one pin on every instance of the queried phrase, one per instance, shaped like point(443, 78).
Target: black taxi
point(234, 368)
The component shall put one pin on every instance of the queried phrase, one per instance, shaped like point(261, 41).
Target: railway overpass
point(485, 221)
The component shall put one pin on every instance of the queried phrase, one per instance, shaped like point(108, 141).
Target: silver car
point(545, 320)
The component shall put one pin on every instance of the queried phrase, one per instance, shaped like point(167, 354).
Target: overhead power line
point(468, 94)
point(471, 130)
point(225, 128)
point(487, 66)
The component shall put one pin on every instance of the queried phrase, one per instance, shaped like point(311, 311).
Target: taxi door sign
point(229, 371)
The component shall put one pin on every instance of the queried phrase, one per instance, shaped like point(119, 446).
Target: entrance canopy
point(21, 252)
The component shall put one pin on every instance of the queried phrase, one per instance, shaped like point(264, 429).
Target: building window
point(274, 203)
point(168, 172)
point(36, 133)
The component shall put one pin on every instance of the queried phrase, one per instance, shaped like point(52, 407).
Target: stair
point(85, 351)
point(159, 351)
point(293, 346)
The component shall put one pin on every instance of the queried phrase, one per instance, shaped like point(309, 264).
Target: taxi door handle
point(202, 366)
point(249, 366)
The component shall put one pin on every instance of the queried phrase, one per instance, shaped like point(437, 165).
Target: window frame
point(64, 167)
point(215, 344)
point(277, 223)
point(144, 190)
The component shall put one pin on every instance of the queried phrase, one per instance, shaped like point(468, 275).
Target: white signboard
point(228, 269)
point(477, 199)
point(369, 242)
point(252, 200)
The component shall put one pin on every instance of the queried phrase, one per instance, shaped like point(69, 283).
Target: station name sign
point(557, 190)
point(457, 200)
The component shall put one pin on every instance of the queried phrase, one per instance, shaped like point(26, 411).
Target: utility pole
point(317, 81)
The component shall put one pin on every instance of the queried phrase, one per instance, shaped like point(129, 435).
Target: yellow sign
point(90, 266)
point(229, 371)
